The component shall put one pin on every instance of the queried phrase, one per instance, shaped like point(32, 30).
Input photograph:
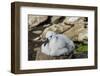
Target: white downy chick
point(57, 44)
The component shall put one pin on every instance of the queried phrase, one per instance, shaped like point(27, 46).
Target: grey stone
point(35, 20)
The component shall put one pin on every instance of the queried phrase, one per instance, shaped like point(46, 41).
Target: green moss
point(82, 48)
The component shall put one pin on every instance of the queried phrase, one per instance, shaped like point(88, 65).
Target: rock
point(71, 20)
point(83, 36)
point(35, 20)
point(55, 19)
point(58, 28)
point(37, 32)
point(42, 56)
point(46, 25)
point(36, 49)
point(77, 30)
point(36, 39)
point(73, 31)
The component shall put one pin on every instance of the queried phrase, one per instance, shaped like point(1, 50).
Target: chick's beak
point(46, 41)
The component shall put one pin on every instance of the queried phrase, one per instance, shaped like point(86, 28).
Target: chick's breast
point(57, 43)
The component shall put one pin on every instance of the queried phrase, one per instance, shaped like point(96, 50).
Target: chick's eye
point(50, 36)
